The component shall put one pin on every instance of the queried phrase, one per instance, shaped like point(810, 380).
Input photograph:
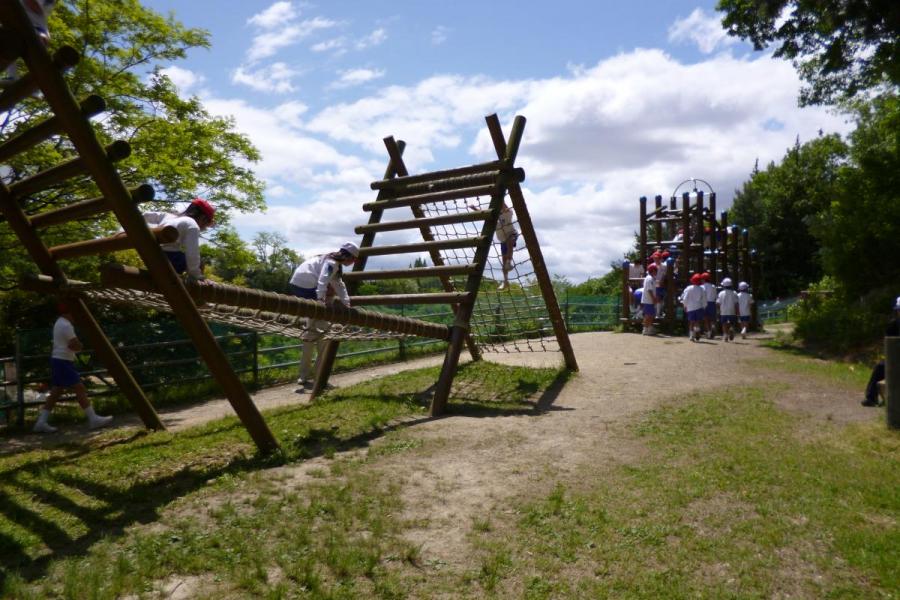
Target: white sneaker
point(744, 333)
point(43, 427)
point(709, 335)
point(501, 287)
point(99, 421)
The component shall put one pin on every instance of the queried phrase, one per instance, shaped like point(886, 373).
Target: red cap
point(652, 267)
point(664, 255)
point(696, 279)
point(706, 276)
point(206, 207)
point(655, 255)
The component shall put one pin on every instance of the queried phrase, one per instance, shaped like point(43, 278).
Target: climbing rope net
point(258, 320)
point(512, 319)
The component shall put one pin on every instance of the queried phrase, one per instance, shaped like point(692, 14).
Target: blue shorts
point(728, 318)
point(745, 319)
point(710, 311)
point(660, 294)
point(505, 246)
point(178, 260)
point(695, 315)
point(649, 310)
point(308, 293)
point(63, 373)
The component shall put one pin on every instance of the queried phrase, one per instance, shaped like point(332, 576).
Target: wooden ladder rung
point(457, 194)
point(164, 235)
point(33, 136)
point(87, 208)
point(442, 271)
point(72, 168)
point(395, 182)
point(421, 246)
point(435, 298)
point(466, 217)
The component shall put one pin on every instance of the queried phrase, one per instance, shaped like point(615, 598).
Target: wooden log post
point(701, 231)
point(658, 229)
point(626, 291)
point(714, 238)
point(724, 248)
point(892, 380)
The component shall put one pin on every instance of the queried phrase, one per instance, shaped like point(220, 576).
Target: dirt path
point(468, 467)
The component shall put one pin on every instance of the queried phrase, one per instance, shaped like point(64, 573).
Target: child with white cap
point(728, 309)
point(745, 300)
point(317, 279)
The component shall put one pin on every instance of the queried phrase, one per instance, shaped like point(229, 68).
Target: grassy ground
point(70, 516)
point(718, 495)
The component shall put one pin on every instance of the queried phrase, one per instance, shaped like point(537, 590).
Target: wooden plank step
point(467, 217)
point(457, 194)
point(443, 271)
point(395, 182)
point(435, 298)
point(421, 246)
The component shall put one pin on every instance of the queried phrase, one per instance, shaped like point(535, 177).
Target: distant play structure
point(695, 241)
point(456, 212)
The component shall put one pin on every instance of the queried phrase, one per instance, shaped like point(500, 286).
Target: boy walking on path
point(694, 300)
point(64, 376)
point(648, 299)
point(728, 309)
point(745, 300)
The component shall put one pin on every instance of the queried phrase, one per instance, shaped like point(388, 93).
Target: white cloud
point(352, 77)
point(184, 79)
point(336, 45)
point(277, 78)
point(375, 38)
point(275, 15)
point(439, 35)
point(701, 29)
point(270, 41)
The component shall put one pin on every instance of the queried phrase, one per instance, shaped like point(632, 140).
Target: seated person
point(893, 330)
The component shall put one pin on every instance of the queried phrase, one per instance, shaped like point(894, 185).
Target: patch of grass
point(732, 502)
point(800, 362)
point(71, 516)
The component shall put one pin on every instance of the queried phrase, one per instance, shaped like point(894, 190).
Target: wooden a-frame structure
point(397, 189)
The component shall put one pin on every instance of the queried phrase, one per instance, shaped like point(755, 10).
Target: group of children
point(701, 300)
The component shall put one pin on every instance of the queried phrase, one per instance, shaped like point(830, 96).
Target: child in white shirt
point(728, 309)
point(745, 300)
point(694, 299)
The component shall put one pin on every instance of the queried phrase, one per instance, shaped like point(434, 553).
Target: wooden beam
point(442, 271)
point(466, 217)
point(420, 247)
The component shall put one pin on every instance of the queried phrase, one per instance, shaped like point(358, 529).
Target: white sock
point(89, 413)
point(43, 416)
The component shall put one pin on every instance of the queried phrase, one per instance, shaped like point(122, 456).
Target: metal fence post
point(20, 383)
point(255, 338)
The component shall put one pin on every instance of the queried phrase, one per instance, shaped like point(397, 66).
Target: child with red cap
point(648, 299)
point(694, 299)
point(709, 314)
point(184, 253)
point(64, 376)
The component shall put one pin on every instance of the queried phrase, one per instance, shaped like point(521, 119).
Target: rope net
point(506, 318)
point(302, 328)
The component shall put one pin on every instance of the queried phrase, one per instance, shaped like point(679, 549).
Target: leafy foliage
point(842, 48)
point(176, 144)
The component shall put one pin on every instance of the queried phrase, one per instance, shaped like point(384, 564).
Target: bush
point(832, 321)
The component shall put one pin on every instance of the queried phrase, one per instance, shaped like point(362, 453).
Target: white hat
point(897, 303)
point(350, 248)
point(726, 282)
point(743, 286)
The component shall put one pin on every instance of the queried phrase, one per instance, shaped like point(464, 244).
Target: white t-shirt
point(505, 227)
point(710, 291)
point(318, 272)
point(745, 299)
point(693, 298)
point(647, 294)
point(727, 302)
point(188, 238)
point(661, 275)
point(63, 333)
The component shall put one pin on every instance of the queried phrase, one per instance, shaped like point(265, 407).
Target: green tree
point(228, 257)
point(275, 262)
point(176, 144)
point(841, 48)
point(860, 231)
point(781, 204)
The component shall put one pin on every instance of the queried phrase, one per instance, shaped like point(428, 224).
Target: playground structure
point(456, 212)
point(697, 242)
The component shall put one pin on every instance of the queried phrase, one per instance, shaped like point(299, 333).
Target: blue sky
point(622, 100)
